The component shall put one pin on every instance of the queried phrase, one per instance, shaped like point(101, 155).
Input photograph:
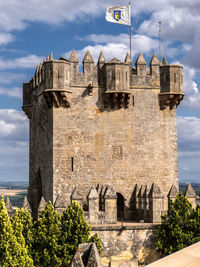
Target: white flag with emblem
point(119, 14)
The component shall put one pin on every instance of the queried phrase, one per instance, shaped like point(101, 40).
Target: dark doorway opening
point(120, 207)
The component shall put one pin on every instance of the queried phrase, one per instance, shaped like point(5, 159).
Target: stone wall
point(127, 242)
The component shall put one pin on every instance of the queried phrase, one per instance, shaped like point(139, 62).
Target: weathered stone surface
point(140, 60)
point(93, 258)
point(155, 192)
point(61, 203)
point(88, 57)
point(164, 62)
point(173, 192)
point(26, 205)
point(156, 204)
point(128, 242)
point(9, 207)
point(124, 263)
point(101, 58)
point(77, 260)
point(93, 206)
point(73, 57)
point(110, 192)
point(190, 193)
point(86, 255)
point(128, 58)
point(93, 193)
point(154, 60)
point(41, 205)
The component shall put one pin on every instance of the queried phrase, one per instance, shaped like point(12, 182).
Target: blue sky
point(31, 29)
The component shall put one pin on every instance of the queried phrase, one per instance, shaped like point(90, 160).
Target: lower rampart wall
point(127, 242)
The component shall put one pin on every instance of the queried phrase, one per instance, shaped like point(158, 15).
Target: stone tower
point(105, 137)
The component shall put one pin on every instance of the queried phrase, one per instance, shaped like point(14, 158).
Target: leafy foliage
point(13, 251)
point(24, 217)
point(180, 226)
point(49, 241)
point(74, 231)
point(46, 233)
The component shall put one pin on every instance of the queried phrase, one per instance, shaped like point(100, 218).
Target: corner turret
point(171, 81)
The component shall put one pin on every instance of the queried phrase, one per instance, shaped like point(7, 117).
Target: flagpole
point(130, 30)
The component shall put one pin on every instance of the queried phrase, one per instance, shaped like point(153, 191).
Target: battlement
point(57, 78)
point(106, 206)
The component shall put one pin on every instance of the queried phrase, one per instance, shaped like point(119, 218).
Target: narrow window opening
point(66, 75)
point(58, 74)
point(175, 77)
point(111, 75)
point(119, 75)
point(126, 76)
point(165, 77)
point(72, 164)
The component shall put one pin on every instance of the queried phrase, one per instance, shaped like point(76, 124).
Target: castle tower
point(112, 125)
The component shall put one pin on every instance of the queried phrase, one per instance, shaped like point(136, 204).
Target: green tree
point(13, 250)
point(74, 231)
point(46, 233)
point(23, 216)
point(179, 226)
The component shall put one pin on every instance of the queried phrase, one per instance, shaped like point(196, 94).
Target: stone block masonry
point(113, 124)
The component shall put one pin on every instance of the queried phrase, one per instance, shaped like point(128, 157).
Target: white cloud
point(13, 125)
point(5, 38)
point(174, 26)
point(9, 77)
point(189, 134)
point(118, 45)
point(110, 50)
point(29, 61)
point(191, 90)
point(13, 145)
point(15, 14)
point(6, 128)
point(188, 148)
point(180, 22)
point(12, 92)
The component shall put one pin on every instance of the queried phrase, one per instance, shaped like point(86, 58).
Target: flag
point(119, 14)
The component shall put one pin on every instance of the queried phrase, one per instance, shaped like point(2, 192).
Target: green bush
point(180, 226)
point(50, 240)
point(74, 231)
point(13, 251)
point(46, 234)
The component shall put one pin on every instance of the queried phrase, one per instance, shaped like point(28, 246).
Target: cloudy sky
point(31, 29)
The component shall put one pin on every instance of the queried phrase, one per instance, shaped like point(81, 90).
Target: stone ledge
point(125, 226)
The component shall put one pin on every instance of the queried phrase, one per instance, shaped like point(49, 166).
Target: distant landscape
point(196, 186)
point(15, 191)
point(18, 190)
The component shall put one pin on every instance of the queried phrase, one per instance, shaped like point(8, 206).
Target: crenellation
point(41, 205)
point(26, 205)
point(172, 193)
point(77, 196)
point(191, 195)
point(9, 207)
